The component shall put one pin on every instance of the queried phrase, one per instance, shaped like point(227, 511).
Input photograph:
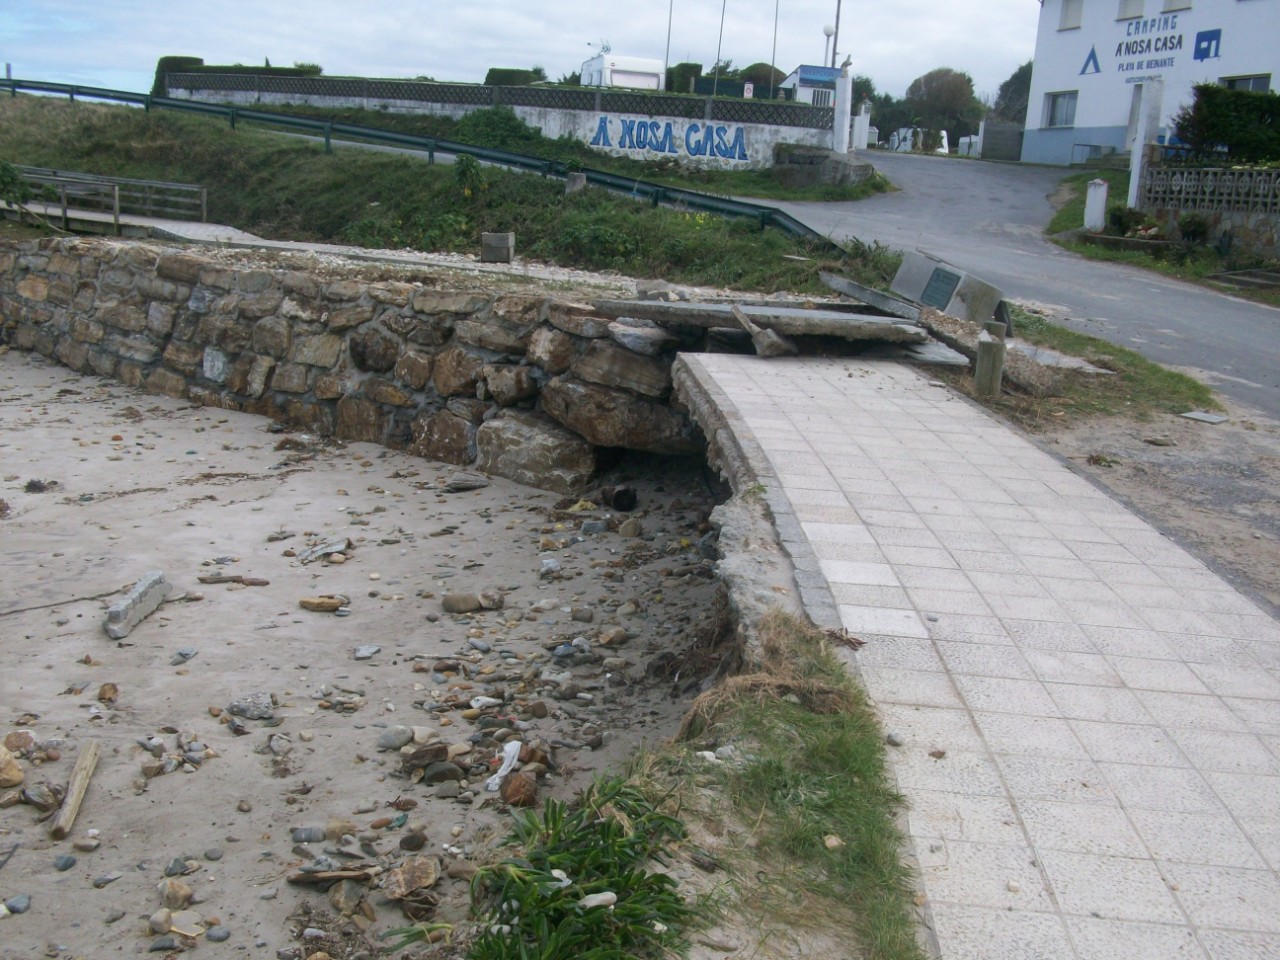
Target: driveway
point(988, 218)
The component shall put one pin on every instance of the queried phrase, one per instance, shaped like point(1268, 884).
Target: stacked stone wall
point(518, 385)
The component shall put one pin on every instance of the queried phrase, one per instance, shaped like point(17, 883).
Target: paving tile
point(1258, 716)
point(929, 600)
point(1061, 567)
point(986, 561)
point(1005, 695)
point(1128, 743)
point(985, 660)
point(909, 537)
point(1233, 945)
point(1054, 778)
point(1187, 711)
point(1129, 573)
point(984, 875)
point(918, 556)
point(1196, 838)
point(969, 629)
point(1093, 828)
point(1039, 546)
point(919, 687)
point(859, 595)
point(1061, 666)
point(1213, 750)
point(901, 653)
point(813, 513)
point(932, 578)
point(1122, 642)
point(1177, 790)
point(1103, 614)
point(1008, 584)
point(1043, 635)
point(1116, 888)
point(1177, 621)
point(958, 816)
point(1008, 733)
point(1168, 675)
point(1111, 939)
point(897, 519)
point(1246, 900)
point(973, 933)
point(1230, 680)
point(930, 728)
point(856, 552)
point(1264, 834)
point(1042, 609)
point(972, 774)
point(1247, 795)
point(848, 571)
point(898, 623)
point(838, 532)
point(1106, 704)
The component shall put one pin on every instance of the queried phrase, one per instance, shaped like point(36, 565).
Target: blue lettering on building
point(1208, 45)
point(1091, 64)
point(657, 136)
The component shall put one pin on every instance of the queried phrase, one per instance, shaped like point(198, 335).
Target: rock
point(218, 934)
point(440, 771)
point(308, 834)
point(87, 844)
point(448, 790)
point(19, 904)
point(105, 879)
point(373, 349)
point(894, 739)
point(393, 738)
point(161, 921)
point(508, 385)
point(64, 862)
point(552, 350)
point(582, 614)
point(456, 372)
point(630, 528)
point(460, 603)
point(444, 436)
point(114, 916)
point(610, 365)
point(174, 893)
point(213, 854)
point(345, 896)
point(164, 945)
point(480, 645)
point(461, 870)
point(253, 706)
point(366, 651)
point(463, 482)
point(641, 336)
point(177, 867)
point(609, 417)
point(492, 600)
point(535, 451)
point(519, 790)
point(11, 772)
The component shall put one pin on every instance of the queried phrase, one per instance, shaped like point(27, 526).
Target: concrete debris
point(139, 603)
point(791, 321)
point(767, 342)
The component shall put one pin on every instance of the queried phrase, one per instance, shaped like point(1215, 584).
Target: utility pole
point(715, 81)
point(836, 40)
point(666, 58)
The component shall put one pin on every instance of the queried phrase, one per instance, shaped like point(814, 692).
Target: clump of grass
point(813, 780)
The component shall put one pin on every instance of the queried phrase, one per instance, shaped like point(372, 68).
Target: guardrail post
point(115, 206)
point(146, 104)
point(71, 94)
point(65, 223)
point(328, 133)
point(204, 204)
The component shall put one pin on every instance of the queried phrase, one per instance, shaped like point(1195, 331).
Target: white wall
point(1104, 58)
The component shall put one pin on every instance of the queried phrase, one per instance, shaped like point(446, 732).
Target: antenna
point(604, 46)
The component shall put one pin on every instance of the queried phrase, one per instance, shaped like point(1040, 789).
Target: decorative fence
point(768, 112)
point(1212, 190)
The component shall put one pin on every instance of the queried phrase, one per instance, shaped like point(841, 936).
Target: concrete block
point(932, 282)
point(497, 247)
point(574, 182)
point(147, 594)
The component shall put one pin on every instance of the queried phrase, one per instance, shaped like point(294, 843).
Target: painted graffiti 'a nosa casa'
point(656, 136)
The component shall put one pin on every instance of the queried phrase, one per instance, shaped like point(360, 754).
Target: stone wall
point(518, 385)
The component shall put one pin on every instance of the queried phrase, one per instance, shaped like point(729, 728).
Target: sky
point(115, 43)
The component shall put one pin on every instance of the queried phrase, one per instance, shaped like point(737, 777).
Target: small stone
point(1014, 886)
point(87, 844)
point(366, 651)
point(345, 896)
point(437, 773)
point(114, 916)
point(161, 921)
point(393, 738)
point(163, 945)
point(479, 645)
point(106, 878)
point(582, 614)
point(64, 862)
point(461, 870)
point(460, 603)
point(244, 806)
point(11, 772)
point(19, 904)
point(174, 893)
point(217, 934)
point(308, 834)
point(177, 867)
point(630, 528)
point(365, 806)
point(213, 854)
point(895, 739)
point(448, 790)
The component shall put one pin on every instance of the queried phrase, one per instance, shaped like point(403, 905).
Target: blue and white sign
point(673, 138)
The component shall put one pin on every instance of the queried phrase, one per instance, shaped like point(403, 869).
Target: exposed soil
point(129, 483)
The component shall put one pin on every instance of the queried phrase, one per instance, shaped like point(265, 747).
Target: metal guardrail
point(148, 198)
point(655, 193)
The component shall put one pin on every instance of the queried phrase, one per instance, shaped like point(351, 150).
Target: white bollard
point(1095, 206)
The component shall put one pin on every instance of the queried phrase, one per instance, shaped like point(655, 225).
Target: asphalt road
point(988, 218)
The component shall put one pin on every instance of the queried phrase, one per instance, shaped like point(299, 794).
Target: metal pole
point(835, 41)
point(666, 57)
point(773, 57)
point(715, 81)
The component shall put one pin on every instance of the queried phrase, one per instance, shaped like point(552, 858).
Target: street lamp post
point(835, 42)
point(773, 57)
point(828, 31)
point(715, 81)
point(666, 57)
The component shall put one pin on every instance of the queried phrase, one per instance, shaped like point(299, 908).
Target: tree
point(761, 74)
point(513, 76)
point(1012, 97)
point(681, 77)
point(943, 100)
point(1242, 124)
point(571, 79)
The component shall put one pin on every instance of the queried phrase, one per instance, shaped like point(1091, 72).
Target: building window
point(1069, 18)
point(1129, 10)
point(1060, 109)
point(1171, 6)
point(1256, 84)
point(822, 98)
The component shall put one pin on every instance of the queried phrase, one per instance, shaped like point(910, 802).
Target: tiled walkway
point(1109, 707)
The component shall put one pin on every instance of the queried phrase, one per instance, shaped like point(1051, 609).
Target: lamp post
point(715, 81)
point(773, 57)
point(666, 57)
point(828, 31)
point(835, 42)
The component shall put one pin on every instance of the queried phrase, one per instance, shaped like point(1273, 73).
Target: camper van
point(611, 70)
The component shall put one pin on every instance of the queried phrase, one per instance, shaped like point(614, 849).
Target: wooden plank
point(890, 304)
point(86, 763)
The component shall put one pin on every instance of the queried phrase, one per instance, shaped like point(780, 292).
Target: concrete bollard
point(995, 328)
point(1095, 206)
point(497, 247)
point(574, 182)
point(989, 370)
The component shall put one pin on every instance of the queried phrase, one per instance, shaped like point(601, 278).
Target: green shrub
point(1242, 124)
point(1193, 228)
point(1125, 221)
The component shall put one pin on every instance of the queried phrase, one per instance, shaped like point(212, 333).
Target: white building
point(1093, 56)
point(611, 70)
point(813, 85)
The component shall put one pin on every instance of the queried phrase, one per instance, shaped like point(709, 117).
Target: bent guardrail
point(655, 193)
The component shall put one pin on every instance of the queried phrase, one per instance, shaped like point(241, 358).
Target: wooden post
point(86, 763)
point(989, 369)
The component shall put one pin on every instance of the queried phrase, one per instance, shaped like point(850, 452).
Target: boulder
point(641, 336)
point(508, 385)
point(535, 451)
point(456, 372)
point(616, 418)
point(610, 365)
point(551, 349)
point(361, 420)
point(374, 349)
point(579, 319)
point(444, 436)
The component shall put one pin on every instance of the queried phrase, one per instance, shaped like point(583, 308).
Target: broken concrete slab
point(932, 282)
point(790, 321)
point(893, 306)
point(1204, 416)
point(140, 602)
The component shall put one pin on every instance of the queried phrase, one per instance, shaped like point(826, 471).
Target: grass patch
point(288, 189)
point(1184, 262)
point(501, 129)
point(1136, 387)
point(809, 782)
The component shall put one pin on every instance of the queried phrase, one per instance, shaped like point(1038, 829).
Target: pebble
point(308, 834)
point(163, 944)
point(161, 921)
point(393, 738)
point(106, 878)
point(365, 806)
point(19, 904)
point(590, 527)
point(1014, 886)
point(480, 645)
point(217, 934)
point(213, 854)
point(64, 862)
point(115, 916)
point(460, 603)
point(176, 868)
point(895, 739)
point(87, 844)
point(366, 651)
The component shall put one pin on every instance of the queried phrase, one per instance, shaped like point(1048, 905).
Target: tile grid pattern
point(1109, 708)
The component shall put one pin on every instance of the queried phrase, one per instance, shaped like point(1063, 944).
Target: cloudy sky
point(115, 43)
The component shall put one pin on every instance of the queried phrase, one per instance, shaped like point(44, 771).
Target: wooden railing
point(116, 195)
